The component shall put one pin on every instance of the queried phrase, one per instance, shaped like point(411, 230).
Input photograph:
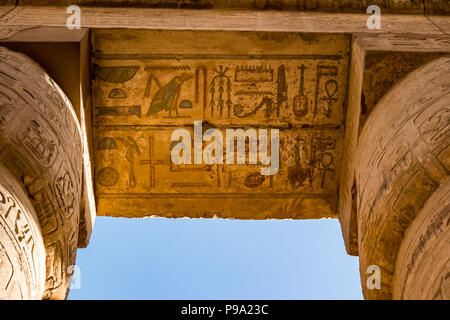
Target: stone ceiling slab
point(149, 83)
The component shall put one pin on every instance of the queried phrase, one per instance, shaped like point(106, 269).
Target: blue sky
point(159, 258)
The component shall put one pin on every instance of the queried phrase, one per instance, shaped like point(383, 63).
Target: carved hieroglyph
point(423, 262)
point(149, 83)
point(22, 252)
point(403, 159)
point(40, 142)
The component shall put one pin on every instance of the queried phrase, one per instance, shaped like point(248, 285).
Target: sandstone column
point(402, 176)
point(423, 261)
point(22, 252)
point(41, 149)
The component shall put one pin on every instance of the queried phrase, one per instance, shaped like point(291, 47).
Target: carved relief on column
point(403, 158)
point(22, 252)
point(422, 269)
point(40, 142)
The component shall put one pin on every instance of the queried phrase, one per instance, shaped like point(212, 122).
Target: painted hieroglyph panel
point(136, 162)
point(148, 83)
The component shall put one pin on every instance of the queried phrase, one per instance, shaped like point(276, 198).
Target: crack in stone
point(435, 24)
point(7, 13)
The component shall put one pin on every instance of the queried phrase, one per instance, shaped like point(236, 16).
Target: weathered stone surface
point(403, 158)
point(22, 252)
point(347, 186)
point(383, 70)
point(421, 31)
point(292, 82)
point(74, 79)
point(41, 145)
point(422, 266)
point(372, 74)
point(398, 6)
point(438, 7)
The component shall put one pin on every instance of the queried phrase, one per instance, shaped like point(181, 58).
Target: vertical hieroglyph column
point(41, 145)
point(403, 166)
point(22, 252)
